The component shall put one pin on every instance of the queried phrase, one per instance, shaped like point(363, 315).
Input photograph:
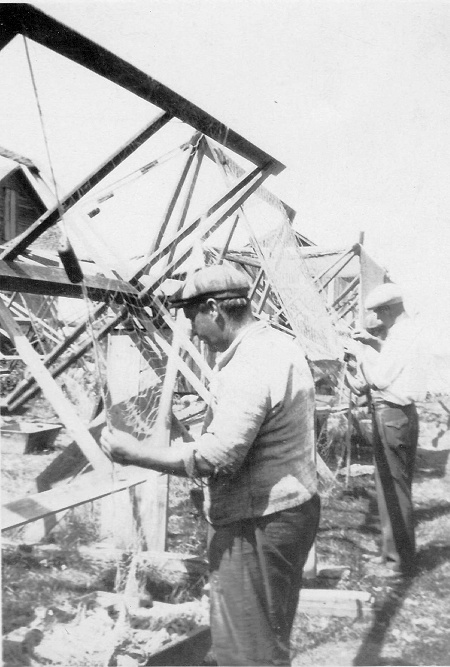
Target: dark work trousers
point(395, 435)
point(255, 579)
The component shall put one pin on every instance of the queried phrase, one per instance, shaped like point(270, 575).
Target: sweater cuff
point(190, 464)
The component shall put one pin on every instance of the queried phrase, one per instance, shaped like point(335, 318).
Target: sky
point(354, 97)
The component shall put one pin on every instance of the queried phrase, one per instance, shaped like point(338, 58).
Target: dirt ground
point(46, 619)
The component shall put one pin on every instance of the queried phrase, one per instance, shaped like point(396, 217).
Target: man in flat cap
point(390, 375)
point(256, 454)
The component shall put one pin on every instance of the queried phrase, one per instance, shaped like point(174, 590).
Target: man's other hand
point(120, 446)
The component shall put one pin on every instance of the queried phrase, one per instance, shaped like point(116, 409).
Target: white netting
point(281, 258)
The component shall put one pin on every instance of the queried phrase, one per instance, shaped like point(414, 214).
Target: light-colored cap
point(220, 281)
point(383, 295)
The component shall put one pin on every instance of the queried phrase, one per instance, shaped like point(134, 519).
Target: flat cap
point(383, 295)
point(219, 281)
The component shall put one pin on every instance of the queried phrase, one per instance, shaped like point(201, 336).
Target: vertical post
point(348, 439)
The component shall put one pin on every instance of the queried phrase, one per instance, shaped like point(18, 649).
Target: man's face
point(205, 320)
point(385, 315)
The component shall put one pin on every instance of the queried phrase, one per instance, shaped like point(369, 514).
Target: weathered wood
point(88, 487)
point(153, 507)
point(54, 394)
point(352, 304)
point(346, 258)
point(175, 568)
point(22, 313)
point(52, 281)
point(256, 284)
point(20, 243)
point(216, 154)
point(193, 177)
point(28, 388)
point(165, 227)
point(187, 344)
point(331, 602)
point(347, 290)
point(45, 30)
point(140, 513)
point(224, 204)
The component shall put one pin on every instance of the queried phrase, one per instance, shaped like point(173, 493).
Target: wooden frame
point(21, 276)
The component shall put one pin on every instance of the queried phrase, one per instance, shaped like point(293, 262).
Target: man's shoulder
point(267, 340)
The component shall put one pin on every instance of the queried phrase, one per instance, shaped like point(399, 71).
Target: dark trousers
point(256, 574)
point(396, 430)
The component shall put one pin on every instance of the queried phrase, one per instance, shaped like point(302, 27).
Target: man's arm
point(380, 370)
point(126, 449)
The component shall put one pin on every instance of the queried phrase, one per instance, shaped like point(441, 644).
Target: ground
point(408, 623)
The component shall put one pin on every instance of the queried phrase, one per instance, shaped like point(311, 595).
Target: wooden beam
point(8, 31)
point(233, 198)
point(185, 167)
point(52, 281)
point(88, 487)
point(346, 258)
point(28, 388)
point(230, 203)
point(237, 171)
point(331, 602)
point(45, 30)
point(55, 354)
point(347, 290)
point(54, 394)
point(243, 260)
point(193, 177)
point(50, 217)
point(220, 203)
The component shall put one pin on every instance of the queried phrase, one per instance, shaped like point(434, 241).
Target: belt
point(380, 403)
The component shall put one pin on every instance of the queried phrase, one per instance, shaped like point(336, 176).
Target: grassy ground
point(410, 623)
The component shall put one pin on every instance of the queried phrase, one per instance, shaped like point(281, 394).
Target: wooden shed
point(24, 196)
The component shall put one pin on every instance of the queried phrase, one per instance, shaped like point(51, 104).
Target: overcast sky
point(354, 97)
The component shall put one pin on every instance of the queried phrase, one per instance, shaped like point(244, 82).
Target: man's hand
point(364, 337)
point(119, 446)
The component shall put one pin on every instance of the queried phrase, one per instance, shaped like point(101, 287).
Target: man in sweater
point(256, 454)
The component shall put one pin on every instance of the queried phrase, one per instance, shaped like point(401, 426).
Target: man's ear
point(212, 306)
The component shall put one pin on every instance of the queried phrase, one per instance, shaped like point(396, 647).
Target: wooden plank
point(27, 388)
point(23, 277)
point(152, 500)
point(7, 33)
point(185, 167)
point(193, 177)
point(345, 259)
point(20, 243)
point(54, 394)
point(60, 38)
point(234, 200)
point(221, 204)
point(332, 602)
point(217, 205)
point(88, 487)
point(347, 290)
point(214, 152)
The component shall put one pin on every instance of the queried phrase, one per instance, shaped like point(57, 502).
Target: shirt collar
point(223, 358)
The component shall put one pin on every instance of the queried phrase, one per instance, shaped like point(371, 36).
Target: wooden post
point(117, 521)
point(153, 496)
point(138, 517)
point(348, 439)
